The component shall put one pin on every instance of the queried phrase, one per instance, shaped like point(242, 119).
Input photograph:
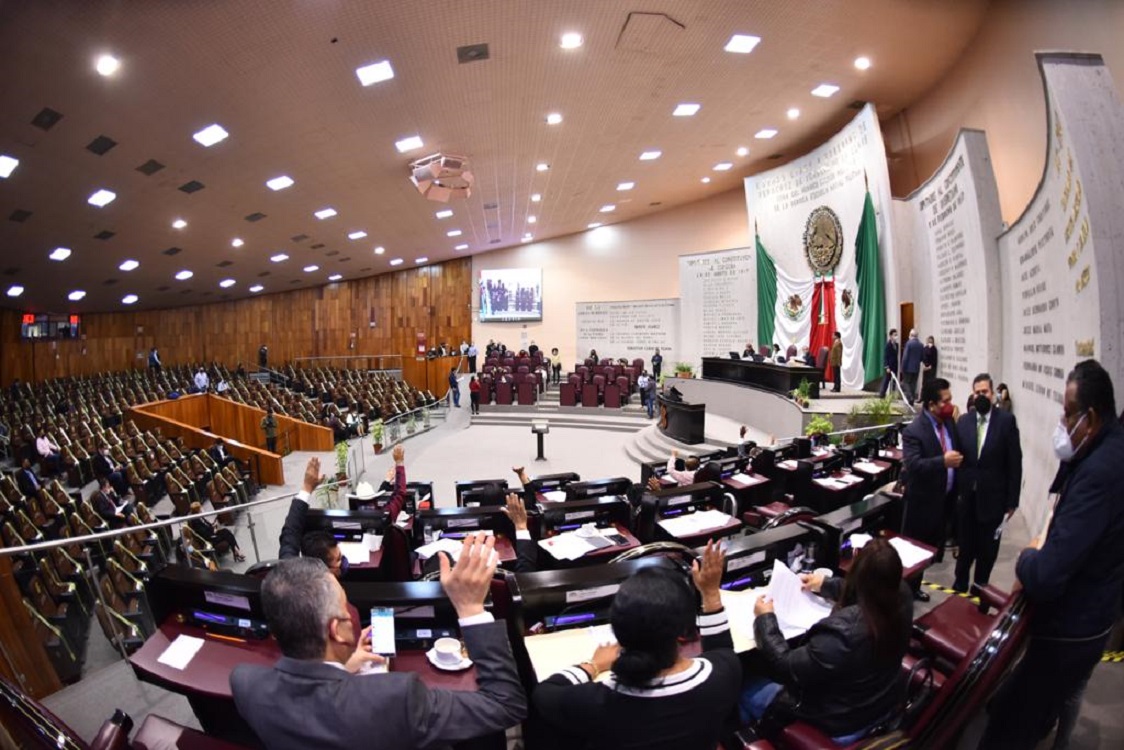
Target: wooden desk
point(907, 573)
point(597, 555)
point(825, 496)
point(682, 421)
point(504, 548)
point(700, 539)
point(757, 491)
point(767, 376)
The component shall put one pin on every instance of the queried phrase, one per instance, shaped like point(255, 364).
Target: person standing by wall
point(263, 357)
point(929, 360)
point(556, 365)
point(1073, 574)
point(889, 361)
point(474, 394)
point(154, 360)
point(657, 364)
point(269, 427)
point(642, 387)
point(835, 362)
point(911, 365)
point(454, 387)
point(472, 358)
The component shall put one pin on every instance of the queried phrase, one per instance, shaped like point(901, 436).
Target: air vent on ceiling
point(225, 263)
point(491, 206)
point(104, 234)
point(857, 104)
point(186, 291)
point(163, 288)
point(263, 274)
point(472, 53)
point(150, 167)
point(330, 253)
point(20, 215)
point(317, 246)
point(656, 203)
point(299, 237)
point(173, 251)
point(345, 259)
point(492, 225)
point(46, 119)
point(191, 187)
point(11, 271)
point(364, 270)
point(101, 145)
point(110, 282)
point(256, 216)
point(206, 294)
point(774, 157)
point(295, 281)
point(496, 241)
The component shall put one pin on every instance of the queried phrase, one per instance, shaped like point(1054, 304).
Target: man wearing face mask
point(931, 454)
point(990, 481)
point(889, 361)
point(1072, 576)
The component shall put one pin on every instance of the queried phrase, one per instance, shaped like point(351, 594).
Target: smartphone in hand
point(382, 631)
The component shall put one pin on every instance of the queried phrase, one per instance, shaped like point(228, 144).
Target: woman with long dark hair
point(846, 677)
point(654, 696)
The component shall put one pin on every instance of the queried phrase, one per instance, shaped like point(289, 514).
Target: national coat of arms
point(823, 241)
point(793, 307)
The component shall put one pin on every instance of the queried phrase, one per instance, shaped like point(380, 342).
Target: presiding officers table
point(768, 376)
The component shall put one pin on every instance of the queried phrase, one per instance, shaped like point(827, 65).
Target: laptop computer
point(735, 355)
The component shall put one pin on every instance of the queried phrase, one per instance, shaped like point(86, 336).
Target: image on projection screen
point(510, 294)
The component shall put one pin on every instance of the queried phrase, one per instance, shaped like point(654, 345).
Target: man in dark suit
point(28, 483)
point(105, 467)
point(911, 365)
point(1072, 575)
point(931, 456)
point(107, 504)
point(889, 361)
point(314, 698)
point(222, 456)
point(990, 481)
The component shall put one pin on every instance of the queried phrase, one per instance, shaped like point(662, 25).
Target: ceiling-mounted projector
point(442, 177)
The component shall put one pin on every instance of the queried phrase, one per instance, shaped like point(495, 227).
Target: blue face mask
point(344, 565)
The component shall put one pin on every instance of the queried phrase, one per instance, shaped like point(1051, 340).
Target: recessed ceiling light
point(444, 213)
point(211, 135)
point(325, 213)
point(375, 73)
point(571, 40)
point(129, 265)
point(650, 155)
point(454, 233)
point(705, 180)
point(179, 224)
point(408, 144)
point(279, 183)
point(184, 275)
point(824, 90)
point(542, 166)
point(357, 235)
point(107, 65)
point(723, 166)
point(396, 262)
point(310, 269)
point(76, 295)
point(236, 242)
point(765, 133)
point(742, 43)
point(793, 113)
point(527, 238)
point(335, 277)
point(532, 219)
point(625, 185)
point(742, 151)
point(380, 250)
point(685, 110)
point(608, 208)
point(101, 198)
point(862, 63)
point(256, 288)
point(15, 290)
point(227, 283)
point(594, 225)
point(129, 299)
point(8, 165)
point(279, 257)
point(536, 197)
point(461, 247)
point(422, 259)
point(60, 253)
point(553, 118)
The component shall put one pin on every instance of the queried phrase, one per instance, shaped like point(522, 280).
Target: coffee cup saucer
point(464, 663)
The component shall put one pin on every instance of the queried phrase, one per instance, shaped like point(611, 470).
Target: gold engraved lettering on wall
point(1072, 222)
point(1086, 348)
point(1082, 238)
point(1083, 282)
point(1068, 185)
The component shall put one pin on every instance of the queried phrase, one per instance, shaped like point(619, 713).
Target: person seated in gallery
point(845, 677)
point(808, 358)
point(749, 352)
point(655, 697)
point(778, 355)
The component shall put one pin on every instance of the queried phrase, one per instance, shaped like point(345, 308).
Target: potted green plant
point(377, 430)
point(820, 424)
point(411, 424)
point(684, 370)
point(802, 393)
point(341, 461)
point(874, 412)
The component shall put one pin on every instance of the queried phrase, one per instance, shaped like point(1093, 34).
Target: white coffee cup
point(448, 651)
point(825, 572)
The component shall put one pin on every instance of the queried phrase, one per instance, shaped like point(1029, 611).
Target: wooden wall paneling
point(23, 661)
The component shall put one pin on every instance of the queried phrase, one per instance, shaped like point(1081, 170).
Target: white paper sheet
point(355, 551)
point(568, 546)
point(695, 523)
point(789, 464)
point(739, 610)
point(868, 467)
point(555, 496)
point(910, 553)
point(181, 651)
point(743, 478)
point(797, 610)
point(858, 541)
point(452, 546)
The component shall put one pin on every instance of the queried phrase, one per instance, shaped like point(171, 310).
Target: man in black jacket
point(1073, 576)
point(104, 466)
point(889, 361)
point(29, 484)
point(931, 455)
point(990, 481)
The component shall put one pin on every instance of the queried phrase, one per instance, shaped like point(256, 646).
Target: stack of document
point(910, 553)
point(695, 523)
point(452, 546)
point(745, 479)
point(554, 496)
point(553, 652)
point(867, 466)
point(789, 464)
point(797, 610)
point(181, 651)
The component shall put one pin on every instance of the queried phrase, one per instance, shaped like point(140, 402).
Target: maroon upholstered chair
point(588, 362)
point(503, 393)
point(625, 388)
point(567, 394)
point(821, 358)
point(765, 351)
point(539, 380)
point(156, 732)
point(612, 396)
point(523, 368)
point(527, 392)
point(790, 352)
point(638, 364)
point(599, 382)
point(584, 374)
point(589, 394)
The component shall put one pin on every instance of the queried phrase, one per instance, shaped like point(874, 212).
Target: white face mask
point(1063, 442)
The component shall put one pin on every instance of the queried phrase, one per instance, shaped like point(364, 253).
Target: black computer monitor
point(489, 496)
point(346, 525)
point(416, 493)
point(575, 597)
point(598, 488)
point(730, 465)
point(671, 502)
point(458, 522)
point(735, 355)
point(554, 482)
point(566, 516)
point(218, 601)
point(488, 486)
point(749, 559)
point(871, 515)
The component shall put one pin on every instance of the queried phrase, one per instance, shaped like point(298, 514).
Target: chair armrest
point(990, 596)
